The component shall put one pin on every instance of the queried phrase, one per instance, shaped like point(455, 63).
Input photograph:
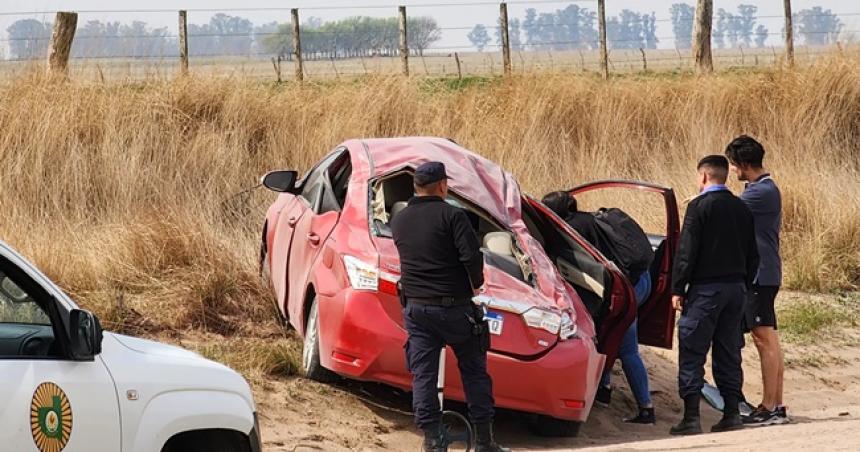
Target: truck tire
point(311, 364)
point(552, 427)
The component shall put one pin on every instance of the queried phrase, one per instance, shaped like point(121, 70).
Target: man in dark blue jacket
point(716, 261)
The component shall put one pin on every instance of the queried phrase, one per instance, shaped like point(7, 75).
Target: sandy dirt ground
point(822, 393)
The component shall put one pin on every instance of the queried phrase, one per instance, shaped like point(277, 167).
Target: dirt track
point(823, 396)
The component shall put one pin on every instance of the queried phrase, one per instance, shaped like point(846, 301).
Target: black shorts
point(760, 309)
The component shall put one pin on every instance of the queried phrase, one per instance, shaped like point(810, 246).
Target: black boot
point(433, 441)
point(484, 439)
point(691, 424)
point(731, 417)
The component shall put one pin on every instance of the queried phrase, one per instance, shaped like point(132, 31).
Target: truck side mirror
point(85, 334)
point(280, 181)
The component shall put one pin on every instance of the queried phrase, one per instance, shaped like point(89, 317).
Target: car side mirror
point(85, 334)
point(280, 181)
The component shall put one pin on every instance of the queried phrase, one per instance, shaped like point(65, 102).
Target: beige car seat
point(500, 243)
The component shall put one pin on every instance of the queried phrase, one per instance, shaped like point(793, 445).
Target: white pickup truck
point(66, 385)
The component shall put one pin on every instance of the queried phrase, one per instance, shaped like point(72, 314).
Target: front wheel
point(311, 364)
point(553, 427)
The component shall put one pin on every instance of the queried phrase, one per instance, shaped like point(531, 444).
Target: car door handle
point(313, 238)
point(292, 221)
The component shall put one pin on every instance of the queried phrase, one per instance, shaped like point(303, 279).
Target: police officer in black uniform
point(716, 262)
point(441, 270)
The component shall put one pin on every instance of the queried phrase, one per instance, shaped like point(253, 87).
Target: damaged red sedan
point(558, 309)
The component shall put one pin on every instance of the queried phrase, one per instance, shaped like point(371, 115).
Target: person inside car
point(565, 206)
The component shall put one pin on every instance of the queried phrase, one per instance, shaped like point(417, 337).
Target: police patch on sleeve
point(50, 418)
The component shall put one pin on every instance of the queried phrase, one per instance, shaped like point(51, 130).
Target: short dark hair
point(745, 150)
point(560, 202)
point(716, 166)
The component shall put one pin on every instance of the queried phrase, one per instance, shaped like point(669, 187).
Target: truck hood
point(153, 368)
point(154, 348)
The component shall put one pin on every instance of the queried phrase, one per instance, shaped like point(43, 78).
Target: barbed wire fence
point(142, 51)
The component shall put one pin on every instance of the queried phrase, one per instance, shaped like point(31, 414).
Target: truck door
point(49, 402)
point(656, 315)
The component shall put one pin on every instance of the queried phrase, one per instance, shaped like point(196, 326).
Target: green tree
point(28, 39)
point(761, 35)
point(683, 16)
point(817, 26)
point(479, 37)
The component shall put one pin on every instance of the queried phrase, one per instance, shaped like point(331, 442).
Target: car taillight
point(568, 328)
point(542, 319)
point(364, 276)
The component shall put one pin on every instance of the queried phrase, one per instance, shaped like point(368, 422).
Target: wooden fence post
point(644, 60)
point(404, 42)
point(702, 37)
point(459, 69)
point(789, 34)
point(604, 52)
point(61, 42)
point(297, 46)
point(183, 41)
point(506, 41)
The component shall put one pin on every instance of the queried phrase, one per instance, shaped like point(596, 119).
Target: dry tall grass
point(125, 193)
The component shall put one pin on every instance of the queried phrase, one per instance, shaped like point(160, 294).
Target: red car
point(558, 308)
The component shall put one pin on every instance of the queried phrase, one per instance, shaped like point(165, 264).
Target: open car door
point(656, 315)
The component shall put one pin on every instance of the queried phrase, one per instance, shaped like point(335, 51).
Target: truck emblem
point(50, 418)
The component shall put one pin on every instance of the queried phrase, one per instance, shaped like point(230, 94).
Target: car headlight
point(542, 319)
point(362, 276)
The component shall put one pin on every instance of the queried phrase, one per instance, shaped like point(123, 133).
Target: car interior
point(391, 194)
point(26, 329)
point(590, 279)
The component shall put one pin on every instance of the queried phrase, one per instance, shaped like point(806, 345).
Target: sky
point(451, 18)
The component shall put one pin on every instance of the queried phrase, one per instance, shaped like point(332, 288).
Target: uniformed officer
point(715, 264)
point(441, 270)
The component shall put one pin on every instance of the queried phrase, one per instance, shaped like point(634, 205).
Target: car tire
point(553, 427)
point(311, 364)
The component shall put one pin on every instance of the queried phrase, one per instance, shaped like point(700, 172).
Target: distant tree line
point(575, 27)
point(228, 35)
point(354, 37)
point(572, 27)
point(814, 26)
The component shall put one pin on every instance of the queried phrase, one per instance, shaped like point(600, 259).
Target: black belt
point(440, 301)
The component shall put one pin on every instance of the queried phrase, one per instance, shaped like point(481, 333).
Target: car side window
point(311, 185)
point(16, 305)
point(335, 185)
point(26, 329)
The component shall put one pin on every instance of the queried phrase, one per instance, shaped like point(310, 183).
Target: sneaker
point(645, 416)
point(783, 414)
point(745, 409)
point(604, 396)
point(762, 417)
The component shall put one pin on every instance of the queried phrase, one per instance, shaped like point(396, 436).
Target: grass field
point(130, 194)
point(433, 63)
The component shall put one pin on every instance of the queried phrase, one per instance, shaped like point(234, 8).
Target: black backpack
point(629, 245)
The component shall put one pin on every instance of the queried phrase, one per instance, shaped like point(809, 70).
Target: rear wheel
point(311, 364)
point(553, 427)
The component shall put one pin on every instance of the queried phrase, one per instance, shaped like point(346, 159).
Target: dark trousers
point(431, 328)
point(712, 314)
